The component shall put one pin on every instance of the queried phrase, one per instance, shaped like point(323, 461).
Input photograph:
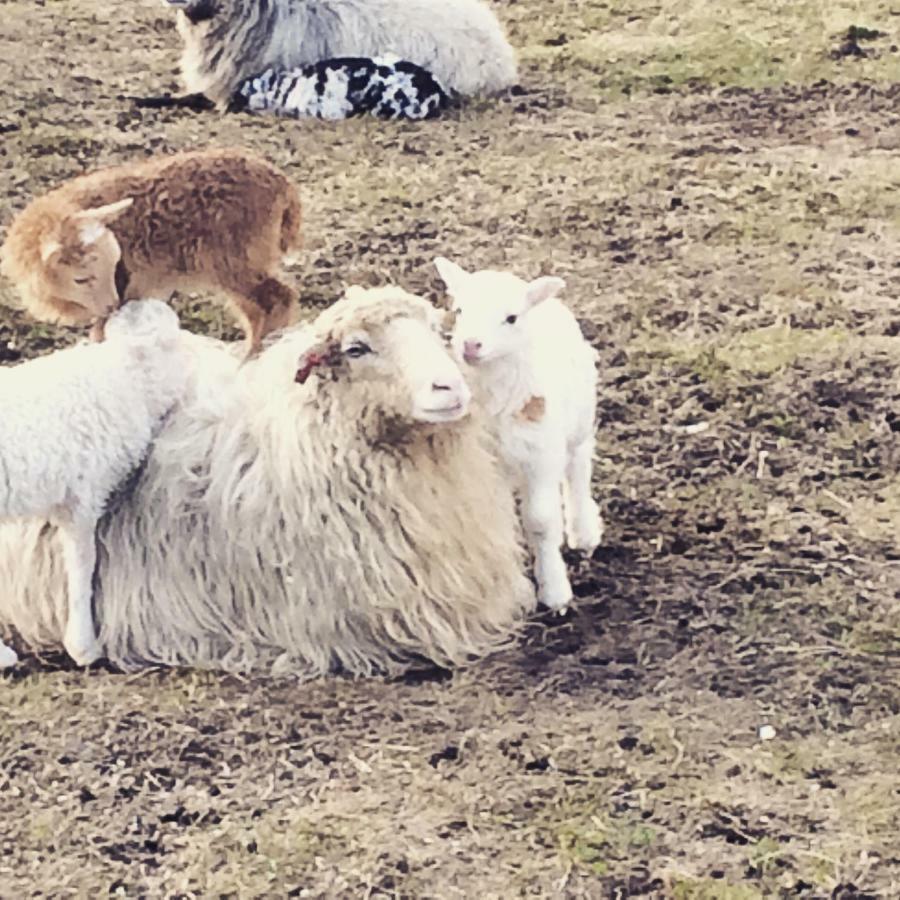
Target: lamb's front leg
point(543, 521)
point(584, 525)
point(80, 557)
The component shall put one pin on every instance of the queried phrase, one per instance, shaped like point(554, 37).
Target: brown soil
point(732, 254)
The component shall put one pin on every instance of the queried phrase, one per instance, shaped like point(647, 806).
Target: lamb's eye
point(354, 351)
point(85, 280)
point(511, 320)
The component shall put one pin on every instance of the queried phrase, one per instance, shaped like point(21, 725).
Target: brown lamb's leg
point(267, 306)
point(98, 331)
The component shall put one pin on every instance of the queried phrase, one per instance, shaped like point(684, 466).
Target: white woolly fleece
point(75, 423)
point(73, 426)
point(290, 527)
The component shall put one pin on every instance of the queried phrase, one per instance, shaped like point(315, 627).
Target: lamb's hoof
point(586, 539)
point(8, 657)
point(84, 654)
point(557, 600)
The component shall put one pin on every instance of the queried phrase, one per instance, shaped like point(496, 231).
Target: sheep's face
point(490, 310)
point(79, 261)
point(400, 362)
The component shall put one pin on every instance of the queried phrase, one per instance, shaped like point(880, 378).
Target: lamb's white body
point(537, 376)
point(73, 426)
point(460, 42)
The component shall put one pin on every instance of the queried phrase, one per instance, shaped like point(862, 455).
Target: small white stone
point(766, 733)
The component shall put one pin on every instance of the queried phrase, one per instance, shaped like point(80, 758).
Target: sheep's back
point(208, 212)
point(460, 42)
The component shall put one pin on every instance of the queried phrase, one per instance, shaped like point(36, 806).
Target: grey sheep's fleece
point(460, 42)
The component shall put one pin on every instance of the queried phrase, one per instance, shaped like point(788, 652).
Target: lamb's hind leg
point(543, 520)
point(80, 557)
point(8, 656)
point(266, 306)
point(584, 525)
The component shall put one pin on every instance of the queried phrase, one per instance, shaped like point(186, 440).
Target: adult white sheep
point(538, 378)
point(217, 219)
point(460, 42)
point(332, 507)
point(74, 425)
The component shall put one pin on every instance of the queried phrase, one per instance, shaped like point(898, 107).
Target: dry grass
point(728, 224)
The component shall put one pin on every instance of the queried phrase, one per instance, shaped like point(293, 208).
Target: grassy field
point(718, 183)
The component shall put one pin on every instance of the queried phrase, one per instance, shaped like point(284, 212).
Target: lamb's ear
point(50, 248)
point(93, 221)
point(542, 289)
point(452, 275)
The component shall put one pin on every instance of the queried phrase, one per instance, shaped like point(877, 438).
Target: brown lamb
point(220, 220)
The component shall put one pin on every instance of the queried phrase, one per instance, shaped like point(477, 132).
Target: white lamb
point(537, 376)
point(73, 426)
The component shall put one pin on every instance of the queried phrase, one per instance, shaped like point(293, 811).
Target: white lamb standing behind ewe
point(73, 426)
point(537, 376)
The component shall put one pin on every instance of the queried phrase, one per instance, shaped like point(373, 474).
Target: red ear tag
point(312, 360)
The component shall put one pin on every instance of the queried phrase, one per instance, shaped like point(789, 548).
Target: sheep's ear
point(451, 274)
point(50, 248)
point(324, 353)
point(542, 289)
point(94, 220)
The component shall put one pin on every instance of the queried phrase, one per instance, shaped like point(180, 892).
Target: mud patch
point(730, 252)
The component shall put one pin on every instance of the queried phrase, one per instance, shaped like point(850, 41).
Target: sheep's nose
point(449, 382)
point(449, 395)
point(471, 349)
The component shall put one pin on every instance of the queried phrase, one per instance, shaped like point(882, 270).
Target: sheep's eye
point(354, 351)
point(85, 280)
point(511, 320)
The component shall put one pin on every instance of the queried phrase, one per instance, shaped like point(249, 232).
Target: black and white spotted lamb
point(383, 86)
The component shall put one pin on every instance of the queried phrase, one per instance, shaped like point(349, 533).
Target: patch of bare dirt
point(731, 254)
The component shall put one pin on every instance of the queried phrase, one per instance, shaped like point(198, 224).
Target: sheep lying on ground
point(538, 377)
point(75, 424)
point(215, 219)
point(386, 87)
point(228, 41)
point(332, 507)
